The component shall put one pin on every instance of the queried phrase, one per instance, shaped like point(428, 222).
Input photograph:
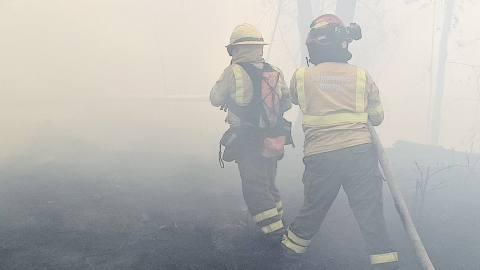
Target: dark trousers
point(356, 169)
point(260, 193)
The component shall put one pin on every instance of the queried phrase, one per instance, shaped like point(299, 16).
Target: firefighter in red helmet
point(337, 99)
point(256, 96)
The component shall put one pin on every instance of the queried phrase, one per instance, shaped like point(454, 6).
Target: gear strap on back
point(254, 110)
point(266, 130)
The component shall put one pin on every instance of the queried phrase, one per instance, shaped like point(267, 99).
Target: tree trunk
point(442, 58)
point(304, 19)
point(345, 10)
point(272, 39)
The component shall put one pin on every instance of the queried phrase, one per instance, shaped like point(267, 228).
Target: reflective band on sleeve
point(265, 214)
point(297, 240)
point(315, 120)
point(279, 204)
point(237, 72)
point(290, 245)
point(360, 92)
point(272, 227)
point(300, 78)
point(375, 109)
point(384, 258)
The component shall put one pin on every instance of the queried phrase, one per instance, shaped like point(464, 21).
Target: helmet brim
point(248, 43)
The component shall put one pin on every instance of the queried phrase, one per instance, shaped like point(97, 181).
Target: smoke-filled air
point(256, 134)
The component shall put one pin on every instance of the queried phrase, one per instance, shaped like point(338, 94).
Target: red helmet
point(325, 29)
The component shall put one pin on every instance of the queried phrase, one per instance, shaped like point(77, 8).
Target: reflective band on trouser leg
point(316, 120)
point(291, 235)
point(265, 214)
point(295, 243)
point(360, 91)
point(279, 205)
point(384, 258)
point(300, 78)
point(272, 227)
point(237, 72)
point(279, 208)
point(375, 109)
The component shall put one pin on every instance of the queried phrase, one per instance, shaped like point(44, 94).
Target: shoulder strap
point(257, 107)
point(252, 111)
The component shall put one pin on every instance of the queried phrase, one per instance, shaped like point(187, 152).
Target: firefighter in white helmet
point(337, 99)
point(256, 96)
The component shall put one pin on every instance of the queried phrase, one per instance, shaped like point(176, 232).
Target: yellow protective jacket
point(235, 82)
point(336, 100)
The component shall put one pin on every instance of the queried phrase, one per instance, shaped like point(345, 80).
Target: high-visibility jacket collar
point(248, 53)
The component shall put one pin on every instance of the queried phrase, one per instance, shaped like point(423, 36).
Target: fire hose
point(400, 202)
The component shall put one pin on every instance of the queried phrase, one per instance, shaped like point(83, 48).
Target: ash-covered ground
point(130, 210)
point(163, 202)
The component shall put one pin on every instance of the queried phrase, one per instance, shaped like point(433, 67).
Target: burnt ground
point(90, 208)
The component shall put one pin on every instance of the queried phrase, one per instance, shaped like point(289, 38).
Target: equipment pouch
point(276, 138)
point(273, 147)
point(231, 141)
point(287, 132)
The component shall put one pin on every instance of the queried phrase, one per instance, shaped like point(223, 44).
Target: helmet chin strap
point(230, 50)
point(328, 53)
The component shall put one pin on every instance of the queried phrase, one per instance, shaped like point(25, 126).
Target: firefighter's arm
point(293, 89)
point(374, 105)
point(285, 103)
point(222, 88)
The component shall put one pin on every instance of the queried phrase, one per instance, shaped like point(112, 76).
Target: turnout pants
point(356, 169)
point(261, 195)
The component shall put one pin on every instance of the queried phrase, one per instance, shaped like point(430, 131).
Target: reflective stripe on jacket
point(336, 100)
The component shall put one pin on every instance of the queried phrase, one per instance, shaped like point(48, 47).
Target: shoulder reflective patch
point(237, 72)
point(360, 90)
point(384, 258)
point(265, 214)
point(300, 79)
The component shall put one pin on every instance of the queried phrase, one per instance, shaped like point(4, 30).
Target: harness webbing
point(255, 109)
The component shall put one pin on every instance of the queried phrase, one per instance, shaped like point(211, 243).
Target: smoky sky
point(66, 50)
